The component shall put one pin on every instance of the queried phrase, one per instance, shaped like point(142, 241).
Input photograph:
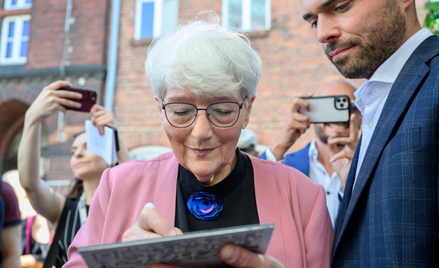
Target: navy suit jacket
point(298, 160)
point(391, 217)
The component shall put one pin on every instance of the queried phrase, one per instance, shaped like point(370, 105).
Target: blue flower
point(204, 206)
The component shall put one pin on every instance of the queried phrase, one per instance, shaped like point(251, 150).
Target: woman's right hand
point(51, 100)
point(152, 224)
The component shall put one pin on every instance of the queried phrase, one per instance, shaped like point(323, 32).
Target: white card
point(191, 250)
point(102, 145)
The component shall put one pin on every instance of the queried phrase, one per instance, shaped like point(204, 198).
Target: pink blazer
point(303, 231)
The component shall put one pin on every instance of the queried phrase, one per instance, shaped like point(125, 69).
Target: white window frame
point(17, 39)
point(21, 4)
point(157, 24)
point(246, 15)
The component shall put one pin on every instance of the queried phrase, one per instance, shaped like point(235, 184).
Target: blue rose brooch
point(204, 206)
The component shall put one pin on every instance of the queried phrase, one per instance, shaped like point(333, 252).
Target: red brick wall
point(87, 33)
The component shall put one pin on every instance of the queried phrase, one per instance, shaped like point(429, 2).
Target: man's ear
point(159, 105)
point(406, 3)
point(248, 112)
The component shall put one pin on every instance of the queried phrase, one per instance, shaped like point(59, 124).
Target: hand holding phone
point(89, 98)
point(328, 109)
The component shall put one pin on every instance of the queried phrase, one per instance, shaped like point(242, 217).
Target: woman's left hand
point(101, 117)
point(239, 257)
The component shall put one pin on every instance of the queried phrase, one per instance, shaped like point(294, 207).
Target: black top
point(236, 191)
point(70, 215)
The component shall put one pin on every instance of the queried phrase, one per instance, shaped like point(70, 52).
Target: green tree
point(432, 19)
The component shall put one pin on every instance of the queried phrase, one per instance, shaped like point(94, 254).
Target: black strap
point(54, 248)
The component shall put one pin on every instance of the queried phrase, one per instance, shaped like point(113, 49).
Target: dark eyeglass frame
point(207, 108)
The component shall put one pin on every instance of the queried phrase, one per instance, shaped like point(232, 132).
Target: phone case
point(328, 109)
point(89, 98)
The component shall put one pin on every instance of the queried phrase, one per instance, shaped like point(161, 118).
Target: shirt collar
point(312, 151)
point(389, 70)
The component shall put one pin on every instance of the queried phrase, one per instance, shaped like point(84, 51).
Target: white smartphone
point(328, 109)
point(192, 249)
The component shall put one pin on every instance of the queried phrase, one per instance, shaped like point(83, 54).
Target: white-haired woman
point(204, 79)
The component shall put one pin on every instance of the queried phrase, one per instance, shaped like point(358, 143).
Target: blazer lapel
point(402, 92)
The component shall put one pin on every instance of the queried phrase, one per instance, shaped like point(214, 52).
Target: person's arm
point(341, 160)
point(43, 200)
point(11, 246)
point(295, 125)
point(102, 117)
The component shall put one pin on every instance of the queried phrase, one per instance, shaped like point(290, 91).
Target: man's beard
point(380, 41)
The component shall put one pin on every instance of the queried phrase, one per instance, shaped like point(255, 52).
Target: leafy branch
point(432, 19)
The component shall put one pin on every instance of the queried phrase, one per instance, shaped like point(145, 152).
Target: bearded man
point(314, 160)
point(389, 213)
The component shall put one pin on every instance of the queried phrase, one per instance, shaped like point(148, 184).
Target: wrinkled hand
point(295, 125)
point(151, 224)
point(51, 100)
point(341, 160)
point(238, 257)
point(101, 117)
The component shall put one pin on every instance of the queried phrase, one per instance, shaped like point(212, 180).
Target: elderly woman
point(204, 80)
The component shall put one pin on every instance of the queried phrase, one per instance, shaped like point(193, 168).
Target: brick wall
point(21, 84)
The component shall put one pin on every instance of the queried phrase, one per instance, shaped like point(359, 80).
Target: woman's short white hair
point(204, 58)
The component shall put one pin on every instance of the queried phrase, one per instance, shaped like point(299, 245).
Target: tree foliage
point(432, 19)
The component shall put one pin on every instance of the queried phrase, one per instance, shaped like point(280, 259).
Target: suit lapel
point(403, 91)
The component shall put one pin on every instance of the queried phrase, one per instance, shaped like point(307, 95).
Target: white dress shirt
point(372, 95)
point(318, 174)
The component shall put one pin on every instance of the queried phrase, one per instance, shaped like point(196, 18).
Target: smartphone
point(328, 109)
point(89, 98)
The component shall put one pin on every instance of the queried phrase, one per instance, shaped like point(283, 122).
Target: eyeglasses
point(221, 114)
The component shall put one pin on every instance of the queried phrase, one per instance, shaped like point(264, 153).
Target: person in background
point(66, 213)
point(247, 142)
point(35, 229)
point(10, 245)
point(389, 215)
point(204, 79)
point(319, 159)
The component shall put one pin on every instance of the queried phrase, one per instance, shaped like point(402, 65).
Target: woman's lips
point(202, 152)
point(79, 164)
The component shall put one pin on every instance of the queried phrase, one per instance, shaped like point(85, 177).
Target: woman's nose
point(202, 128)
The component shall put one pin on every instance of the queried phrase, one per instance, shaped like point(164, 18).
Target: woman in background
point(66, 213)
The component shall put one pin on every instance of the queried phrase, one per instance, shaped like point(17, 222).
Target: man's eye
point(314, 24)
point(342, 7)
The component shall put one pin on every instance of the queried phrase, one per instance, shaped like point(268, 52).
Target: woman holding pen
point(204, 79)
point(66, 213)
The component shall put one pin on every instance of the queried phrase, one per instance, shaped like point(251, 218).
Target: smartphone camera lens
point(93, 96)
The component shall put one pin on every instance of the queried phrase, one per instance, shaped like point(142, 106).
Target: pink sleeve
point(91, 232)
point(319, 234)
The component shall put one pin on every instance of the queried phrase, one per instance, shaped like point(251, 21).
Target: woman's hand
point(101, 117)
point(151, 224)
point(238, 257)
point(51, 100)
